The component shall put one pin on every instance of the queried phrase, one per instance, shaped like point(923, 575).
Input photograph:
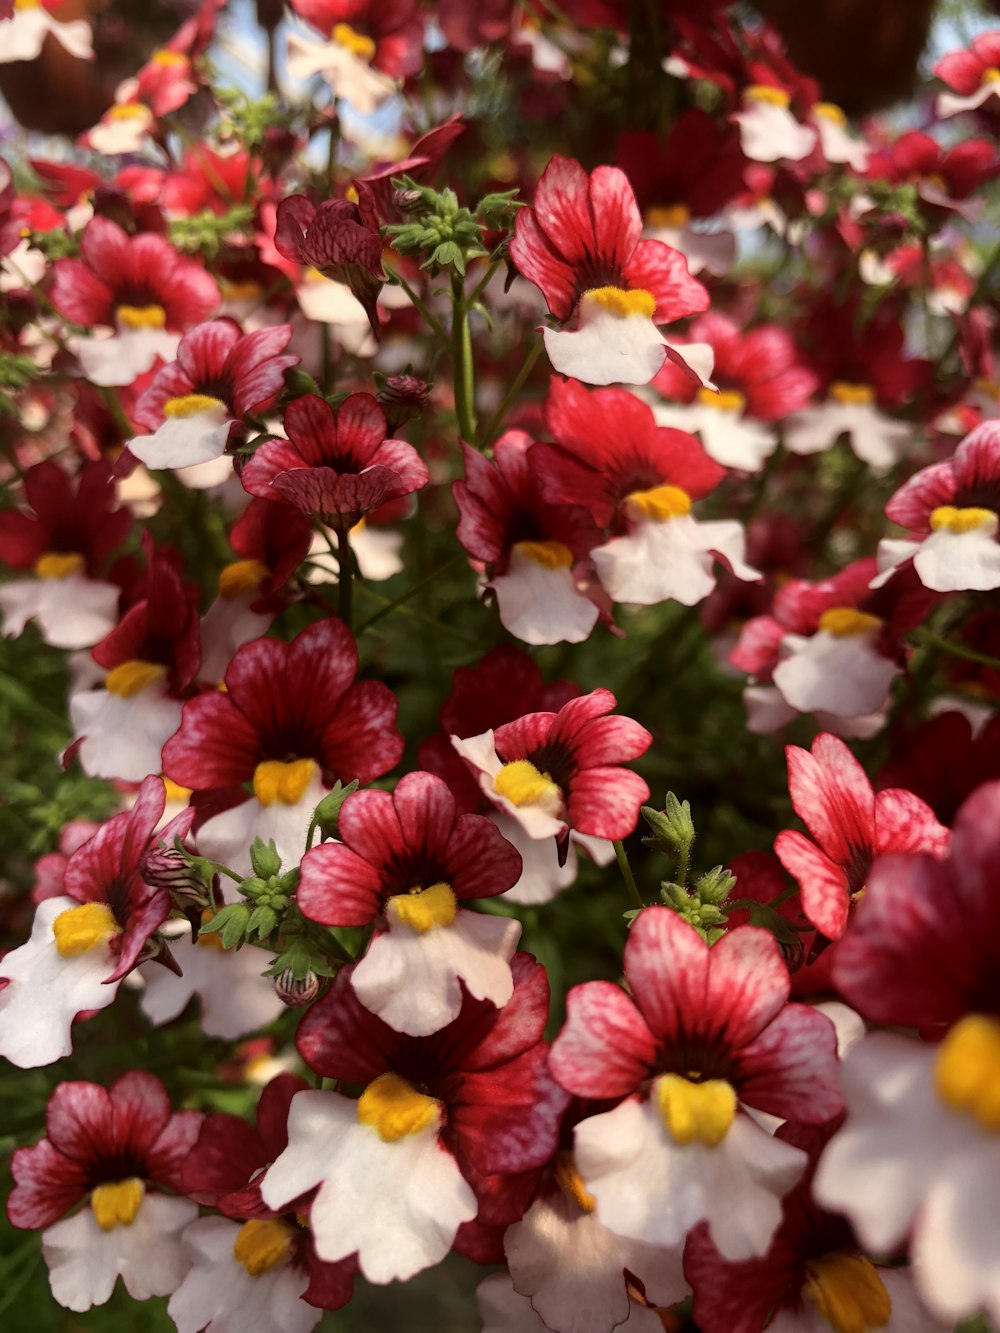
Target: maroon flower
point(338, 238)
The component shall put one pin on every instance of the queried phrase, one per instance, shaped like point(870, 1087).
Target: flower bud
point(188, 880)
point(294, 991)
point(401, 398)
point(409, 201)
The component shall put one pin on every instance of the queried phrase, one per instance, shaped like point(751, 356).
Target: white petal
point(45, 991)
point(123, 738)
point(120, 359)
point(219, 1293)
point(839, 146)
point(657, 562)
point(850, 1026)
point(734, 440)
point(607, 349)
point(184, 441)
point(227, 837)
point(227, 625)
point(817, 429)
point(877, 439)
point(952, 104)
point(84, 1261)
point(504, 1311)
point(844, 676)
point(74, 612)
point(892, 553)
point(770, 133)
point(542, 877)
point(480, 751)
point(540, 605)
point(398, 1205)
point(350, 78)
point(960, 561)
point(650, 1188)
point(411, 980)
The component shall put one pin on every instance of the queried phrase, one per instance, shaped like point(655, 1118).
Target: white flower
point(875, 438)
point(116, 359)
point(71, 612)
point(946, 560)
point(124, 734)
point(670, 558)
point(185, 439)
point(768, 130)
point(343, 64)
point(729, 437)
point(538, 599)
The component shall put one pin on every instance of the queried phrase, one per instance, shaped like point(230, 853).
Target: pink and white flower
point(24, 35)
point(973, 74)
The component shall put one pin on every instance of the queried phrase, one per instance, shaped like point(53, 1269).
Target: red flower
point(73, 518)
point(285, 702)
point(339, 465)
point(135, 281)
point(97, 1138)
point(394, 28)
point(851, 824)
point(969, 480)
point(338, 238)
point(695, 174)
point(943, 762)
point(272, 540)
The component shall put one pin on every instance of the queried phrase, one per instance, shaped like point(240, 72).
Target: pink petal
point(339, 888)
point(203, 350)
point(832, 795)
point(666, 966)
point(604, 802)
point(537, 260)
point(47, 1186)
point(141, 1111)
point(562, 208)
point(663, 272)
point(822, 882)
point(905, 823)
point(215, 746)
point(791, 1068)
point(605, 1048)
point(748, 983)
point(79, 1121)
point(508, 1119)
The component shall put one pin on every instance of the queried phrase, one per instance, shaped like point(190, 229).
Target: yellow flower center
point(213, 940)
point(961, 520)
point(620, 302)
point(830, 111)
point(572, 1184)
point(242, 577)
point(127, 111)
point(192, 405)
point(394, 1108)
point(80, 929)
point(848, 1292)
point(168, 59)
point(58, 564)
point(142, 316)
point(263, 1243)
point(695, 1112)
point(117, 1203)
point(27, 4)
point(991, 75)
point(356, 42)
point(522, 784)
point(247, 290)
point(967, 1070)
point(423, 909)
point(857, 395)
point(847, 622)
point(175, 792)
point(552, 555)
point(131, 678)
point(763, 92)
point(726, 400)
point(669, 215)
point(661, 503)
point(275, 781)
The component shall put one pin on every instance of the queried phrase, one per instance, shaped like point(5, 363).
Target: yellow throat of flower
point(423, 909)
point(192, 405)
point(620, 301)
point(763, 92)
point(550, 555)
point(847, 622)
point(168, 59)
point(131, 678)
point(274, 781)
point(660, 503)
point(832, 112)
point(724, 400)
point(967, 1070)
point(956, 520)
point(356, 42)
point(141, 316)
point(80, 929)
point(669, 215)
point(695, 1112)
point(242, 578)
point(117, 1203)
point(395, 1110)
point(58, 564)
point(571, 1182)
point(848, 1292)
point(263, 1244)
point(854, 395)
point(522, 784)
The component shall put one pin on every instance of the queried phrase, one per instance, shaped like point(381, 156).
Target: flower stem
point(627, 875)
point(345, 574)
point(496, 421)
point(419, 304)
point(929, 639)
point(462, 370)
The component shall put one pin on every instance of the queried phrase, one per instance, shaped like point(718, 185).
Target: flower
point(116, 1149)
point(336, 465)
point(851, 824)
point(66, 541)
point(580, 243)
point(85, 940)
point(407, 860)
point(191, 406)
point(139, 290)
point(702, 1034)
point(339, 239)
point(972, 74)
point(24, 34)
point(371, 47)
point(291, 721)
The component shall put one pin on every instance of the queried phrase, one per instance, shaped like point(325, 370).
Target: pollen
point(855, 395)
point(696, 1112)
point(80, 929)
point(424, 909)
point(192, 405)
point(275, 781)
point(551, 555)
point(141, 316)
point(395, 1110)
point(621, 302)
point(832, 112)
point(571, 1183)
point(726, 400)
point(847, 622)
point(991, 75)
point(661, 503)
point(523, 784)
point(763, 92)
point(58, 564)
point(356, 42)
point(117, 1203)
point(670, 215)
point(263, 1243)
point(967, 1071)
point(168, 59)
point(848, 1293)
point(962, 520)
point(131, 678)
point(242, 577)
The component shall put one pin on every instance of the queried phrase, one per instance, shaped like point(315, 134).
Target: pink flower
point(972, 74)
point(581, 244)
point(701, 1033)
point(852, 825)
point(336, 465)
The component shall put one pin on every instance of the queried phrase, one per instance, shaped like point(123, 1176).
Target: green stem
point(683, 865)
point(345, 575)
point(419, 304)
point(405, 596)
point(462, 370)
point(627, 875)
point(929, 639)
point(412, 614)
point(497, 419)
point(480, 286)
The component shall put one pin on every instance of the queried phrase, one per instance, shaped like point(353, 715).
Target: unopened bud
point(401, 398)
point(672, 827)
point(188, 880)
point(409, 201)
point(294, 991)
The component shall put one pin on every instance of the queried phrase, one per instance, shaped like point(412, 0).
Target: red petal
point(663, 272)
point(823, 885)
point(791, 1069)
point(605, 1048)
point(79, 1121)
point(832, 795)
point(338, 887)
point(47, 1186)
